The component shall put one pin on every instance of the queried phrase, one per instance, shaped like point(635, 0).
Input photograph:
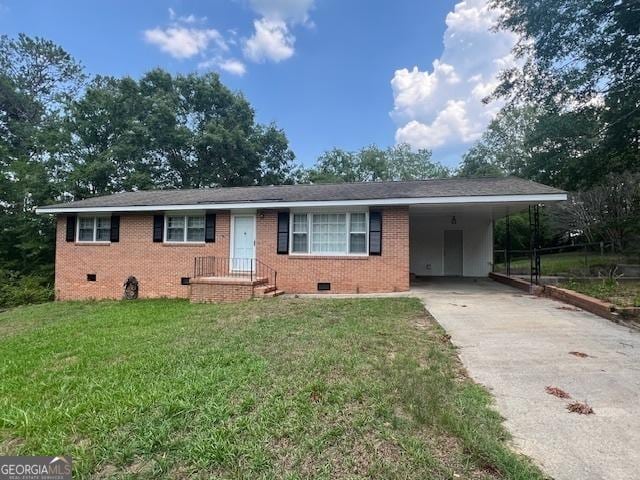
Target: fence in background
point(578, 260)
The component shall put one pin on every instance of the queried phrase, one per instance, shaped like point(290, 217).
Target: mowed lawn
point(287, 388)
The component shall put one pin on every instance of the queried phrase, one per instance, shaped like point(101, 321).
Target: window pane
point(103, 229)
point(329, 233)
point(195, 222)
point(195, 229)
point(299, 243)
point(358, 223)
point(300, 224)
point(175, 229)
point(358, 243)
point(85, 230)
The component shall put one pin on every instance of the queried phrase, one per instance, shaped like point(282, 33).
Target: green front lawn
point(367, 388)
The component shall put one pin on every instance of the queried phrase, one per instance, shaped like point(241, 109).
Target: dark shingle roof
point(451, 187)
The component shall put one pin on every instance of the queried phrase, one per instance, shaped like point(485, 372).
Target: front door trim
point(232, 238)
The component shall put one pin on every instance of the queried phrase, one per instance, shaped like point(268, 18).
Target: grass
point(569, 264)
point(621, 293)
point(366, 388)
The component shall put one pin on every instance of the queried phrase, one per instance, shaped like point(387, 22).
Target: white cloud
point(270, 41)
point(295, 11)
point(191, 18)
point(442, 107)
point(233, 66)
point(183, 42)
point(229, 65)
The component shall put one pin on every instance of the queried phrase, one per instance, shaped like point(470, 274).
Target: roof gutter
point(461, 200)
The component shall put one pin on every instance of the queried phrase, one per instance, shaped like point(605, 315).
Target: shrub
point(20, 290)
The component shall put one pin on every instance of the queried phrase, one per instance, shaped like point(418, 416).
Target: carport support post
point(534, 244)
point(507, 247)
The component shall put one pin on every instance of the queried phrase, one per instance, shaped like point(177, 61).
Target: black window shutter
point(283, 233)
point(158, 228)
point(115, 228)
point(375, 233)
point(71, 228)
point(210, 228)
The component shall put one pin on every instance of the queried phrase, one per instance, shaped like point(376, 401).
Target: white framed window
point(184, 228)
point(329, 233)
point(358, 233)
point(300, 233)
point(94, 229)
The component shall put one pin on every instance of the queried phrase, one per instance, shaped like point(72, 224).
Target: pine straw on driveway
point(364, 388)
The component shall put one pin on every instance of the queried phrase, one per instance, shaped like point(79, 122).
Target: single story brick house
point(231, 243)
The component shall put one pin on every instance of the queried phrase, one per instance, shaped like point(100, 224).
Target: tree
point(607, 212)
point(37, 78)
point(372, 164)
point(502, 147)
point(184, 131)
point(549, 146)
point(579, 64)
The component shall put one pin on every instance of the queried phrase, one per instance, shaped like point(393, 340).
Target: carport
point(456, 239)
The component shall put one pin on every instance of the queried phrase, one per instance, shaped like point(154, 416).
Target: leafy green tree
point(185, 131)
point(608, 212)
point(37, 78)
point(371, 164)
point(579, 64)
point(548, 146)
point(503, 146)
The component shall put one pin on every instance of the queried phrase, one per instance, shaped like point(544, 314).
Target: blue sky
point(329, 72)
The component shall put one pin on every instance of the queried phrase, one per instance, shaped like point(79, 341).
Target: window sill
point(183, 244)
point(298, 256)
point(95, 244)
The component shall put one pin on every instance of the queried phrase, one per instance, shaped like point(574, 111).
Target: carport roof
point(400, 192)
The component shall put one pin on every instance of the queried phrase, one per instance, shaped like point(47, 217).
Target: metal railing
point(248, 268)
point(575, 260)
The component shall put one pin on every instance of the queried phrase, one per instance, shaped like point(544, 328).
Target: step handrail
point(214, 266)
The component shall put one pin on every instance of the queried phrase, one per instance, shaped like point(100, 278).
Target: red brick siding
point(388, 272)
point(220, 292)
point(159, 267)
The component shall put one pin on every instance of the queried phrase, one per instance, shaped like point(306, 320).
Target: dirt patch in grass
point(10, 445)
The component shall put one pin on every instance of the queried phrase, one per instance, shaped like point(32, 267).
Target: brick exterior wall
point(159, 267)
point(220, 291)
point(388, 272)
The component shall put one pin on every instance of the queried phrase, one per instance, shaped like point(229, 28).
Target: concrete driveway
point(516, 345)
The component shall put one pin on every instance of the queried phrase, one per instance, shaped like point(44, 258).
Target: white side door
point(243, 245)
point(453, 246)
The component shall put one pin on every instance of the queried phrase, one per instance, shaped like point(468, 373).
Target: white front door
point(243, 243)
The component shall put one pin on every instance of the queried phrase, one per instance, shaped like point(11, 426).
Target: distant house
point(232, 243)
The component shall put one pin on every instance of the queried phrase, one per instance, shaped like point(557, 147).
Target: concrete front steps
point(230, 289)
point(266, 291)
